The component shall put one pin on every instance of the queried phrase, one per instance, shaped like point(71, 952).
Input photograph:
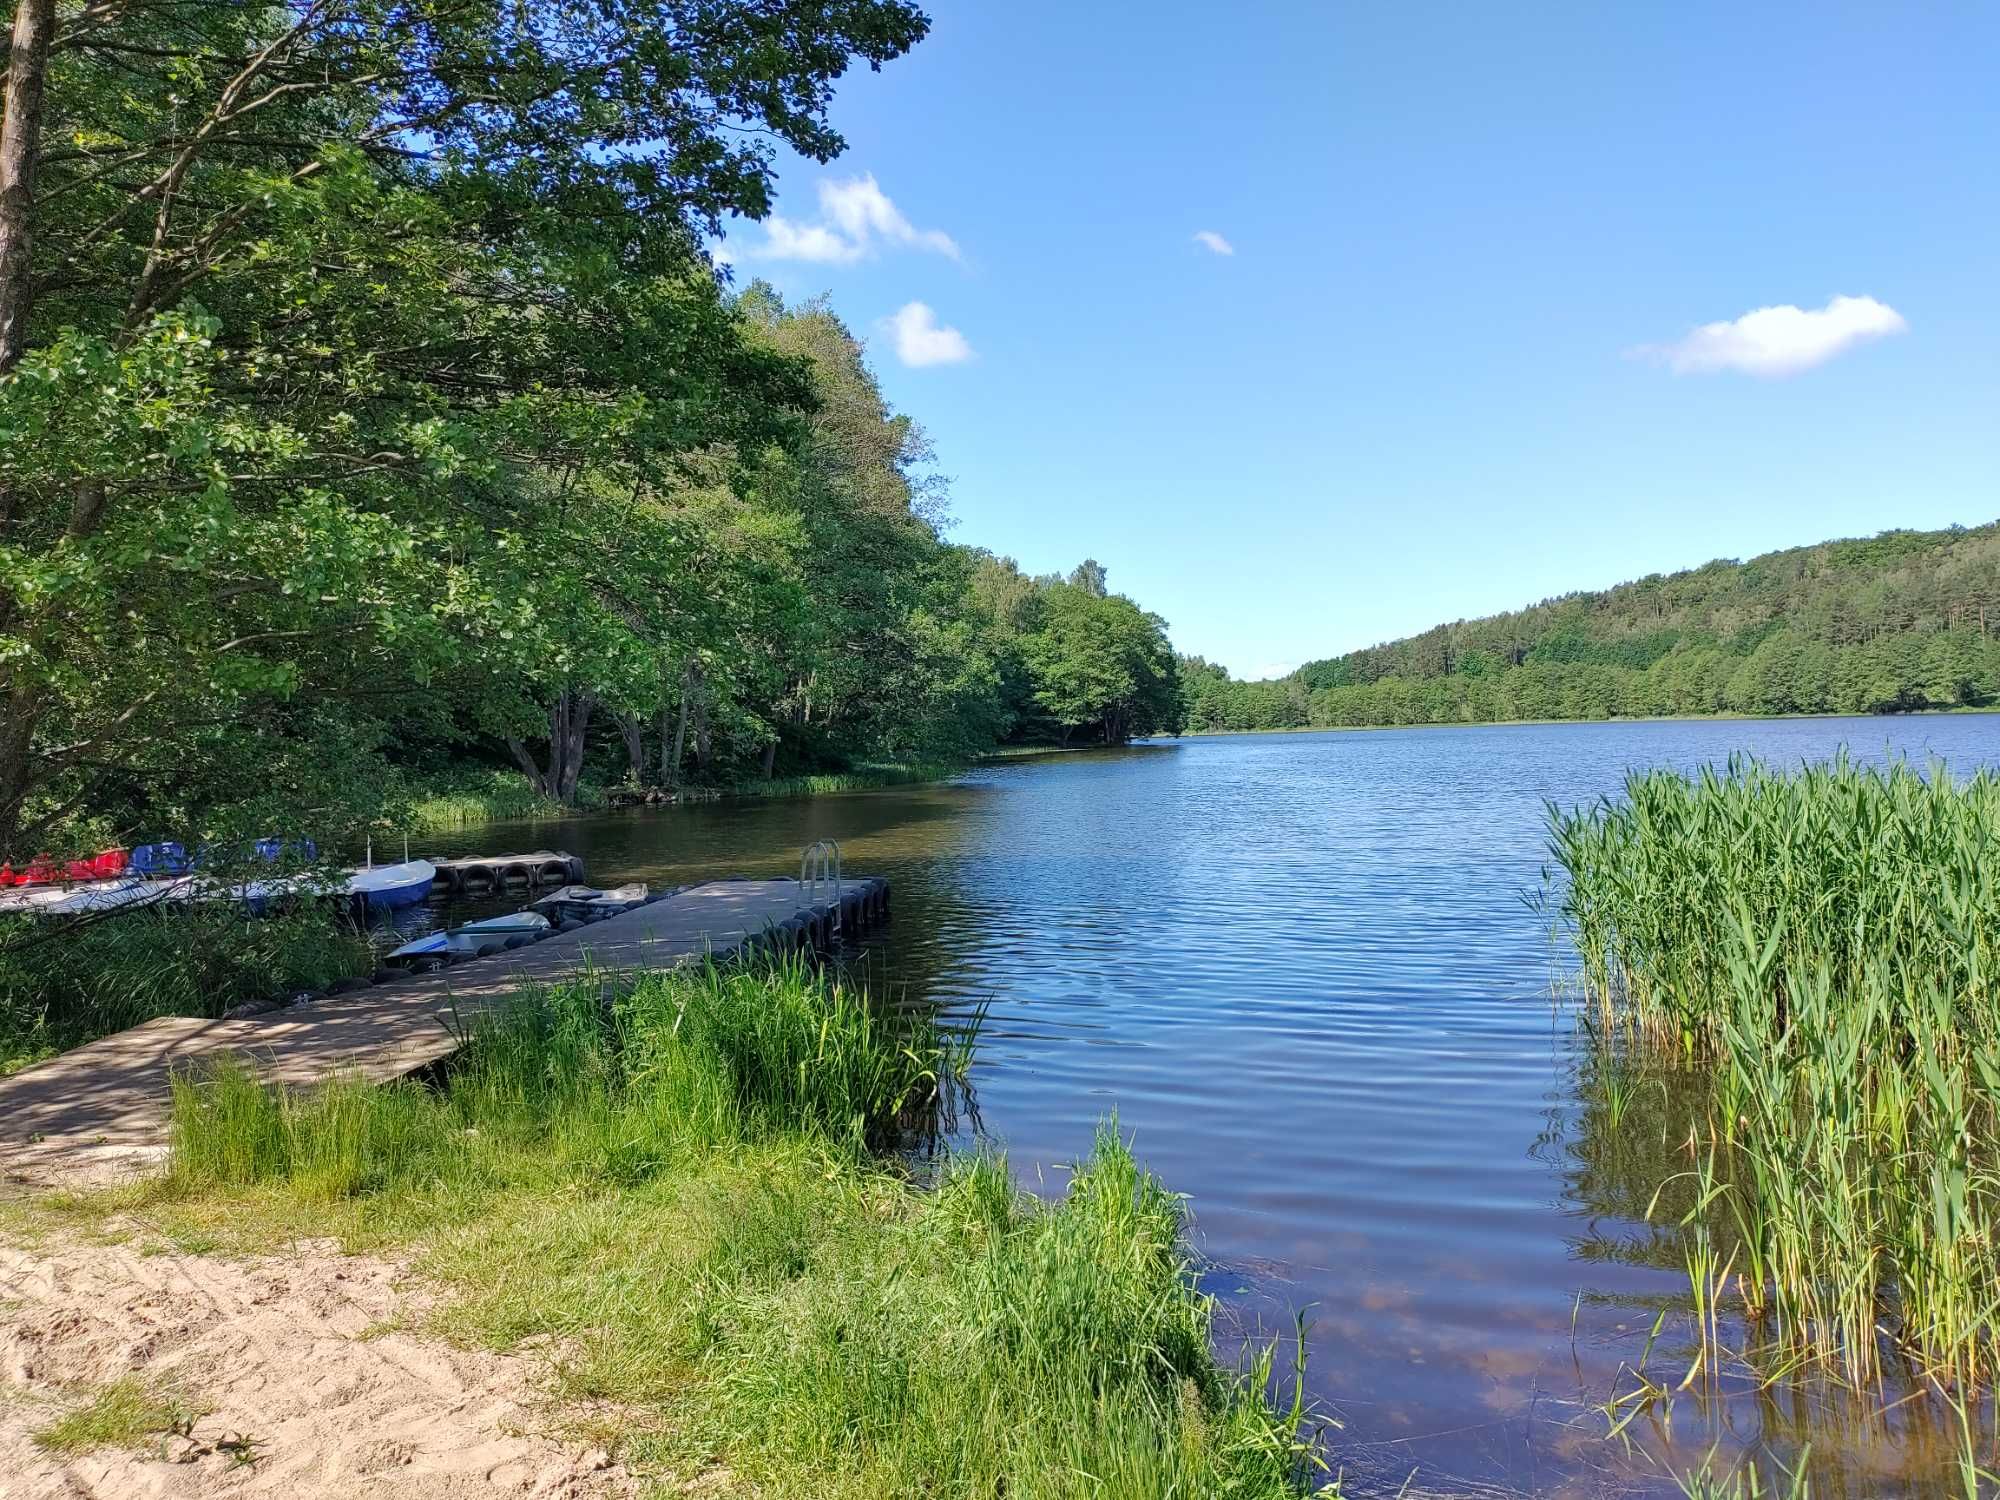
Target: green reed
point(1829, 941)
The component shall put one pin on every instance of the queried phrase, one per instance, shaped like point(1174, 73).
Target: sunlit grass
point(685, 1191)
point(470, 798)
point(122, 1413)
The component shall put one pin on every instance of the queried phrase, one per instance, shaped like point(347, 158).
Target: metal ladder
point(819, 870)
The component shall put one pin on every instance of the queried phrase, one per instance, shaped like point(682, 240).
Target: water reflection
point(1300, 972)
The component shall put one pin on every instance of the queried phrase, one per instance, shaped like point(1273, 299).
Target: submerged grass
point(686, 1192)
point(1828, 941)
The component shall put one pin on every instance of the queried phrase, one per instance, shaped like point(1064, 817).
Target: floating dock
point(479, 873)
point(104, 1106)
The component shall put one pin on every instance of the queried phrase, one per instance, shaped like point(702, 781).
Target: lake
point(1302, 973)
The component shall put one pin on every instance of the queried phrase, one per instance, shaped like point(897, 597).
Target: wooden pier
point(102, 1108)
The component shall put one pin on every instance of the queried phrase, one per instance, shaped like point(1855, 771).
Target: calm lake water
point(1300, 972)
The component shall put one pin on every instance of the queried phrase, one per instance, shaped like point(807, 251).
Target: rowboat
point(472, 937)
point(392, 887)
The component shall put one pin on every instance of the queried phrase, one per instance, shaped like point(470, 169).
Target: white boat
point(473, 936)
point(87, 897)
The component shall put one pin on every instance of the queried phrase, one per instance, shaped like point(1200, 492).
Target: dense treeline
point(369, 406)
point(1905, 620)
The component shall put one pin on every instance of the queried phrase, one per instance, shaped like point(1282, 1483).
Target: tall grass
point(861, 778)
point(1828, 940)
point(62, 987)
point(470, 798)
point(685, 1191)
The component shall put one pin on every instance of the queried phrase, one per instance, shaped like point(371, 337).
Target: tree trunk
point(569, 717)
point(704, 736)
point(670, 771)
point(574, 709)
point(530, 768)
point(635, 744)
point(20, 151)
point(17, 775)
point(770, 758)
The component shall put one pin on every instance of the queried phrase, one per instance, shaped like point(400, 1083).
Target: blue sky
point(1451, 364)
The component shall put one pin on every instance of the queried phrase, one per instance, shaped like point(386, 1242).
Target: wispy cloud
point(922, 340)
point(1270, 671)
point(863, 213)
point(1773, 341)
point(856, 220)
point(1208, 239)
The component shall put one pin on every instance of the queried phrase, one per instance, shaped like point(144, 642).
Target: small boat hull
point(393, 887)
point(466, 941)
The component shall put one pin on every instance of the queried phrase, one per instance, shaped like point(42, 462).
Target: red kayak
point(43, 869)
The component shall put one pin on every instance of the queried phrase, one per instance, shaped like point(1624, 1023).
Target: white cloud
point(1270, 671)
point(785, 240)
point(856, 219)
point(863, 212)
point(922, 340)
point(1780, 340)
point(1208, 239)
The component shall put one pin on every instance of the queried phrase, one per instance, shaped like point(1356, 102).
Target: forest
point(1894, 623)
point(374, 414)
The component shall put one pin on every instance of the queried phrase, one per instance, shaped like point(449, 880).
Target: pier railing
point(819, 872)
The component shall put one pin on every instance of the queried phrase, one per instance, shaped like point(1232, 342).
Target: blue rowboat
point(392, 887)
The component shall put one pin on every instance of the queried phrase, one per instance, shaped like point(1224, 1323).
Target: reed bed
point(862, 778)
point(1826, 940)
point(687, 1193)
point(472, 798)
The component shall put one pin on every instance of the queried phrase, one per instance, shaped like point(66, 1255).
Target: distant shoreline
point(1913, 713)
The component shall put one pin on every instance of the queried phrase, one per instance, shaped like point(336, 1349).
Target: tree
point(318, 321)
point(1100, 660)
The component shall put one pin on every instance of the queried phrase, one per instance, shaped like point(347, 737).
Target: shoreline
point(863, 778)
point(1726, 718)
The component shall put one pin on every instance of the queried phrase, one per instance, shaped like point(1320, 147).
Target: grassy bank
point(1828, 942)
point(468, 799)
point(503, 796)
point(63, 986)
point(688, 1194)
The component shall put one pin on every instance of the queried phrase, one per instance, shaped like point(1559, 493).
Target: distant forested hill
point(1905, 620)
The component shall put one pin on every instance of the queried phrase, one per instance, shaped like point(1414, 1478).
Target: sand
point(308, 1355)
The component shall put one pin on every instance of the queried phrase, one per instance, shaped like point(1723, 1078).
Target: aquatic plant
point(681, 1189)
point(1829, 941)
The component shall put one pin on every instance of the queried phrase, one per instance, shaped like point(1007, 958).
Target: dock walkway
point(108, 1101)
